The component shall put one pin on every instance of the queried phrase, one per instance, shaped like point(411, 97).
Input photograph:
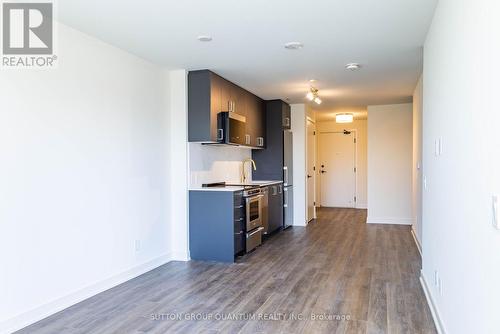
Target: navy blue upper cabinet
point(270, 161)
point(209, 94)
point(204, 103)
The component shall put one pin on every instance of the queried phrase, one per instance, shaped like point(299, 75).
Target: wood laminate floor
point(337, 275)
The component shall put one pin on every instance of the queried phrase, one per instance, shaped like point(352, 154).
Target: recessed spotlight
point(294, 45)
point(352, 66)
point(204, 38)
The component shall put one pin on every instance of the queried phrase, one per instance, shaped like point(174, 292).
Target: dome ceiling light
point(344, 118)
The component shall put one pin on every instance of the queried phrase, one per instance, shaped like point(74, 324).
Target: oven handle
point(253, 198)
point(257, 230)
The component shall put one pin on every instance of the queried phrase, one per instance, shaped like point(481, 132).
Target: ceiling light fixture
point(344, 118)
point(204, 38)
point(353, 66)
point(294, 45)
point(312, 95)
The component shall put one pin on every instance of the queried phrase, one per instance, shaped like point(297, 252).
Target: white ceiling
point(385, 36)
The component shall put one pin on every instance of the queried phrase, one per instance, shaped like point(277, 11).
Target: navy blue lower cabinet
point(275, 208)
point(216, 225)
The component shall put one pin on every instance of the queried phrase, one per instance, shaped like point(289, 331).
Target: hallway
point(338, 265)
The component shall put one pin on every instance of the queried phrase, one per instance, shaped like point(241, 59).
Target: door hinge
point(314, 133)
point(354, 198)
point(354, 169)
point(314, 203)
point(314, 168)
point(354, 140)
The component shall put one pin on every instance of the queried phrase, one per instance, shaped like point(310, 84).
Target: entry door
point(311, 159)
point(336, 166)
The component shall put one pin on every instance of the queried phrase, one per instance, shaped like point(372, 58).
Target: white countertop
point(237, 187)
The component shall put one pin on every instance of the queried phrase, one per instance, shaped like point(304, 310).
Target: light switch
point(496, 220)
point(438, 146)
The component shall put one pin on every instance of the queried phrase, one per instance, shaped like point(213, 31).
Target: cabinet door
point(288, 206)
point(215, 103)
point(260, 122)
point(275, 208)
point(255, 120)
point(225, 99)
point(237, 96)
point(286, 116)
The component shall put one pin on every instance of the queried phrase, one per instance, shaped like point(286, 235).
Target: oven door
point(254, 212)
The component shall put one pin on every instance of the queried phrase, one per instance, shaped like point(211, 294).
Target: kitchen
point(236, 205)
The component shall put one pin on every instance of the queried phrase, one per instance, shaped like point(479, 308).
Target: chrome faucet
point(244, 175)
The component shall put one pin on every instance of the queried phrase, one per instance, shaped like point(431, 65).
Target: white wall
point(417, 162)
point(389, 164)
point(299, 124)
point(460, 89)
point(360, 125)
point(211, 163)
point(83, 174)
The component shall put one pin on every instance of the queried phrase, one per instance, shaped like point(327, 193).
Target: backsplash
point(209, 163)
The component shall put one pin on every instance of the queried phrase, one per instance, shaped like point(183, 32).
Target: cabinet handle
point(275, 191)
point(239, 233)
point(260, 141)
point(239, 220)
point(285, 178)
point(279, 189)
point(254, 232)
point(247, 139)
point(239, 207)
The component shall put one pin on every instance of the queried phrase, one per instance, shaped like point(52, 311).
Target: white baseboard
point(432, 305)
point(181, 256)
point(389, 220)
point(362, 206)
point(25, 319)
point(416, 240)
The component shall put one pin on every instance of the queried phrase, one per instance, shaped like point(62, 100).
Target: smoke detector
point(353, 66)
point(294, 45)
point(204, 38)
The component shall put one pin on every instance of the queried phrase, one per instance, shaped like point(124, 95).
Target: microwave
point(231, 128)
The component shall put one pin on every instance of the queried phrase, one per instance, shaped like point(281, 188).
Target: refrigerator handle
point(285, 178)
point(285, 193)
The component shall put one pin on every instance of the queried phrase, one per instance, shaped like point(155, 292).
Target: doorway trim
point(314, 174)
point(355, 132)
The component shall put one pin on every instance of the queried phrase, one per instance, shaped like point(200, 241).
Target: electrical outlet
point(137, 245)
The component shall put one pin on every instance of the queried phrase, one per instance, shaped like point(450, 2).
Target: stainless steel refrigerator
point(287, 178)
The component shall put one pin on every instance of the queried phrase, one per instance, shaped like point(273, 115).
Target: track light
point(313, 95)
